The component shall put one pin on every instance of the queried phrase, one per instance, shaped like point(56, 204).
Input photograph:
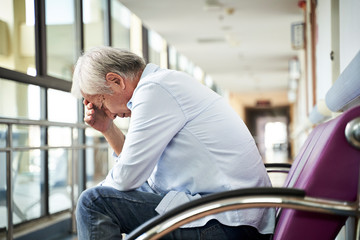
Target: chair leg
point(351, 228)
point(357, 228)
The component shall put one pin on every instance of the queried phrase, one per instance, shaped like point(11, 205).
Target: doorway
point(270, 129)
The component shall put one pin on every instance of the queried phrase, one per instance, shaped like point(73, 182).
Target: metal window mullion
point(42, 81)
point(72, 194)
point(145, 43)
point(9, 183)
point(81, 162)
point(44, 191)
point(40, 38)
point(79, 28)
point(107, 23)
point(82, 153)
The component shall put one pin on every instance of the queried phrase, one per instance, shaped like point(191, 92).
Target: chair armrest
point(278, 167)
point(196, 208)
point(238, 199)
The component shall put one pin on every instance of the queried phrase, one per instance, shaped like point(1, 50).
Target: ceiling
point(244, 45)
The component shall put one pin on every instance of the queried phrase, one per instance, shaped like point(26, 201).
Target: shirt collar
point(149, 68)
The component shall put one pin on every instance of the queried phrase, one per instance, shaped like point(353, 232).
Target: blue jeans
point(106, 213)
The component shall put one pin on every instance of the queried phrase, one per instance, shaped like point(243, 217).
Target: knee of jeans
point(88, 196)
point(85, 199)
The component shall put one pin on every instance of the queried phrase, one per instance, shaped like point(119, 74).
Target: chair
point(319, 195)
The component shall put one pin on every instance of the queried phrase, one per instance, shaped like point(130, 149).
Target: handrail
point(21, 121)
point(9, 149)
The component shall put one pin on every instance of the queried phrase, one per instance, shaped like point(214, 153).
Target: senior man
point(184, 141)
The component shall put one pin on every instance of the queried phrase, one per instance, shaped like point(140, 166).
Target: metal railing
point(9, 149)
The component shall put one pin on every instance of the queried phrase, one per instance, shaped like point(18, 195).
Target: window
point(93, 19)
point(62, 106)
point(24, 99)
point(157, 50)
point(173, 58)
point(27, 182)
point(17, 39)
point(60, 36)
point(97, 158)
point(120, 25)
point(53, 155)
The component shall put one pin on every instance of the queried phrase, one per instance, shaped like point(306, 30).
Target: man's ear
point(113, 78)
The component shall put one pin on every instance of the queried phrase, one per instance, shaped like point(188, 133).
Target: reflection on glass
point(24, 99)
point(59, 180)
point(120, 25)
point(17, 38)
point(26, 167)
point(3, 204)
point(96, 158)
point(59, 136)
point(62, 106)
point(93, 16)
point(61, 42)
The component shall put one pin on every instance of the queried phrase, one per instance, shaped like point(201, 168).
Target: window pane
point(155, 47)
point(59, 180)
point(173, 58)
point(96, 158)
point(61, 41)
point(59, 136)
point(24, 99)
point(62, 106)
point(93, 17)
point(17, 38)
point(26, 136)
point(120, 25)
point(26, 167)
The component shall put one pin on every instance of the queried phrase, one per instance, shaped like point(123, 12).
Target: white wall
point(323, 49)
point(349, 31)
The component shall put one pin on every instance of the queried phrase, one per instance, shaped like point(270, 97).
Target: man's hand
point(96, 118)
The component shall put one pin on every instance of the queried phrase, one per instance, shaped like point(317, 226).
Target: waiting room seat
point(319, 195)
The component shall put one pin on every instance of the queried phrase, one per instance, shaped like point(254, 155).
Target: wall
point(349, 31)
point(239, 101)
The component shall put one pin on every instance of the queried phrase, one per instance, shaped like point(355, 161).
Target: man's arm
point(115, 138)
point(98, 120)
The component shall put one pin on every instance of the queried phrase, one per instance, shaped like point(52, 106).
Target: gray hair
point(92, 67)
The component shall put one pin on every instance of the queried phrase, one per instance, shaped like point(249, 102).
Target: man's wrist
point(109, 130)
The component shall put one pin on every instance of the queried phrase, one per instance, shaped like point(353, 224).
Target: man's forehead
point(94, 99)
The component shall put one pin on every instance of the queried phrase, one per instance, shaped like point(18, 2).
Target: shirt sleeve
point(156, 118)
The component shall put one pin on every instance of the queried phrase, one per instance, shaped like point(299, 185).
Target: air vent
point(210, 40)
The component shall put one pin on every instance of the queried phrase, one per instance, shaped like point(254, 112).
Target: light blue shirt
point(185, 141)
